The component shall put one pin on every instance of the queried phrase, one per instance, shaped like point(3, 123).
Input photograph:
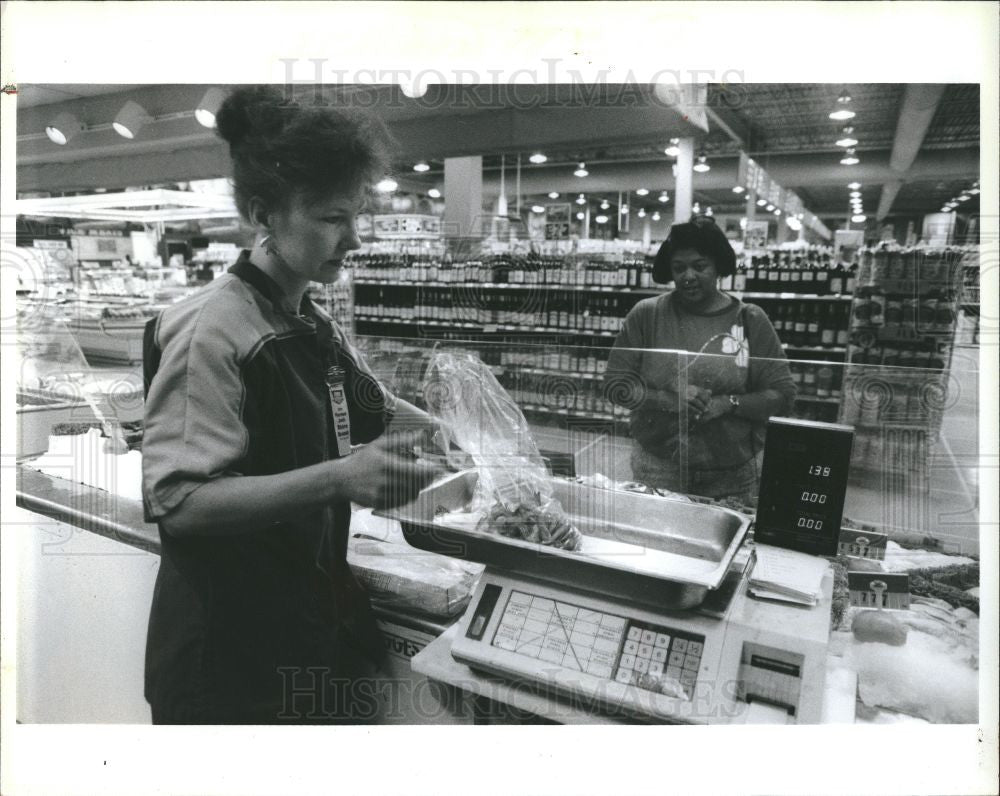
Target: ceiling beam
point(920, 103)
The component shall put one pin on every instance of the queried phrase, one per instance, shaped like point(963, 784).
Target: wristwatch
point(734, 402)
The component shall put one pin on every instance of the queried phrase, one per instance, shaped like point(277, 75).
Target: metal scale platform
point(650, 619)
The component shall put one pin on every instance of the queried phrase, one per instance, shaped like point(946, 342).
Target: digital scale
point(650, 619)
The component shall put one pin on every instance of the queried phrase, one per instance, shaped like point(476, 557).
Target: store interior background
point(917, 150)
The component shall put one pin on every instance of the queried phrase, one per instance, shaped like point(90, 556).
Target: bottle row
point(918, 354)
point(562, 312)
point(909, 453)
point(915, 267)
point(560, 394)
point(870, 403)
point(816, 379)
point(808, 323)
point(932, 312)
point(624, 271)
point(787, 273)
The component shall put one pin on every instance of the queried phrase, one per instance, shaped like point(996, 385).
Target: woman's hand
point(385, 473)
point(718, 405)
point(696, 398)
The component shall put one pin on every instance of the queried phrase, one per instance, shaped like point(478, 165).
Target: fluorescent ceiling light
point(848, 139)
point(421, 166)
point(434, 193)
point(641, 191)
point(386, 185)
point(553, 194)
point(538, 158)
point(858, 218)
point(139, 207)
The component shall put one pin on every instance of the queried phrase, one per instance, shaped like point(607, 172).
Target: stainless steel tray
point(664, 553)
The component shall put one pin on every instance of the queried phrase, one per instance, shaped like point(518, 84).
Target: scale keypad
point(604, 645)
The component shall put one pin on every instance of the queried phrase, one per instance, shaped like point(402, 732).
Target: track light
point(209, 106)
point(130, 119)
point(63, 128)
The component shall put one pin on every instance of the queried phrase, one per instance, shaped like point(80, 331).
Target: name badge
point(335, 377)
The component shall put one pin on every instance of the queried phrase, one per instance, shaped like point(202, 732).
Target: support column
point(683, 181)
point(647, 233)
point(751, 208)
point(463, 198)
point(782, 234)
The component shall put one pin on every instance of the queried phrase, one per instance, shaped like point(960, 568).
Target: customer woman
point(697, 419)
point(254, 398)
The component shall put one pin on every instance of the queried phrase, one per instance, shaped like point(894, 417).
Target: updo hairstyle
point(703, 235)
point(279, 148)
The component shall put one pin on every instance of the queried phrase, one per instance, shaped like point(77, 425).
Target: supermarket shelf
point(489, 327)
point(816, 399)
point(532, 371)
point(639, 291)
point(815, 349)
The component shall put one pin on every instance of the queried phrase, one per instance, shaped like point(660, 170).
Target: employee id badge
point(335, 377)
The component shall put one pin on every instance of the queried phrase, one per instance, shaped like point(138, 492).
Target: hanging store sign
point(406, 226)
point(557, 221)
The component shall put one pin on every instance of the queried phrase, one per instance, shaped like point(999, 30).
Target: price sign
point(557, 222)
point(803, 484)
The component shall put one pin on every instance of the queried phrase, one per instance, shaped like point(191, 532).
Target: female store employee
point(697, 420)
point(254, 398)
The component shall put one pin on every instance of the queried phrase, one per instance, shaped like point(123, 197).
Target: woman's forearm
point(759, 406)
point(243, 504)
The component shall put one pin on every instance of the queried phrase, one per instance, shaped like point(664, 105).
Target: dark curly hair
point(280, 148)
point(701, 234)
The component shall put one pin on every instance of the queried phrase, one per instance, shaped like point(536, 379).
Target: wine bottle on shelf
point(801, 326)
point(795, 276)
point(751, 275)
point(813, 333)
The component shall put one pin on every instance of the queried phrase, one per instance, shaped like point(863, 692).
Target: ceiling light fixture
point(663, 197)
point(769, 207)
point(849, 159)
point(63, 128)
point(777, 212)
point(973, 191)
point(848, 139)
point(421, 166)
point(434, 193)
point(580, 216)
point(130, 119)
point(964, 197)
point(412, 90)
point(624, 210)
point(656, 216)
point(581, 199)
point(674, 149)
point(854, 185)
point(855, 194)
point(601, 219)
point(605, 205)
point(708, 211)
point(642, 212)
point(386, 185)
point(538, 158)
point(701, 166)
point(553, 194)
point(738, 189)
point(537, 209)
point(641, 191)
point(843, 113)
point(581, 170)
point(857, 219)
point(209, 106)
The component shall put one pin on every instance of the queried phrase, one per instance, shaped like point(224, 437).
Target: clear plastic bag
point(515, 489)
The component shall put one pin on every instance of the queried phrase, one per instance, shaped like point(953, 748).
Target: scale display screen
point(803, 485)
